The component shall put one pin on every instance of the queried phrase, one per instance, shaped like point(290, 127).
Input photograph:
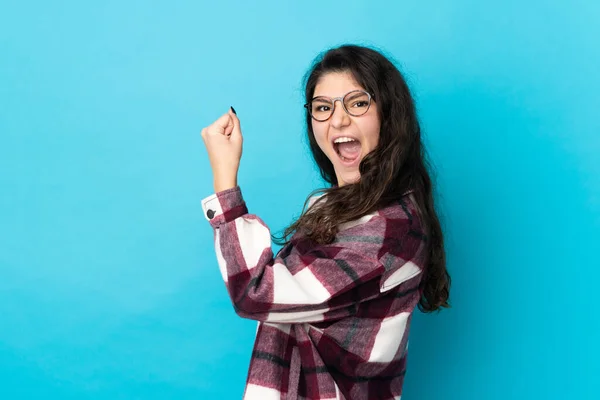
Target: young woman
point(334, 305)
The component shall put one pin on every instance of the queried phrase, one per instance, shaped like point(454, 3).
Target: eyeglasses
point(355, 103)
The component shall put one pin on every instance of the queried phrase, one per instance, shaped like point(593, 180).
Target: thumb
point(224, 124)
point(237, 130)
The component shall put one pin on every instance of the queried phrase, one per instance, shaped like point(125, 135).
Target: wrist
point(221, 184)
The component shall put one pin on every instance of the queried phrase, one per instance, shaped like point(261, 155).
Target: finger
point(237, 130)
point(229, 127)
point(221, 123)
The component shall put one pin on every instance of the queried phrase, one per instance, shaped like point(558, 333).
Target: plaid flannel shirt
point(333, 319)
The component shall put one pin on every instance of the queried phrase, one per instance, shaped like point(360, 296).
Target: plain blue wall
point(109, 287)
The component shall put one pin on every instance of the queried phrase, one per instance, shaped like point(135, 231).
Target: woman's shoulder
point(400, 211)
point(394, 215)
point(313, 199)
point(403, 208)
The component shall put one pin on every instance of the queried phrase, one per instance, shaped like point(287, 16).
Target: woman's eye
point(322, 108)
point(360, 104)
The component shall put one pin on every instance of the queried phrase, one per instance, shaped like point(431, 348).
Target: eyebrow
point(329, 98)
point(324, 98)
point(356, 95)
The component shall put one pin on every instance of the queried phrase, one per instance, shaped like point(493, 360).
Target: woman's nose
point(339, 117)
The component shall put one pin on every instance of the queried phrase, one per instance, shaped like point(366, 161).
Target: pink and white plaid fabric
point(333, 319)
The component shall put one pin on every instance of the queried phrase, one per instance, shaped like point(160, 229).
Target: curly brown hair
point(398, 164)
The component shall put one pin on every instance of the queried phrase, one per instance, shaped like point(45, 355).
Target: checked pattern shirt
point(333, 319)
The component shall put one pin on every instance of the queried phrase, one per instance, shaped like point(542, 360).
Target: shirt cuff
point(224, 206)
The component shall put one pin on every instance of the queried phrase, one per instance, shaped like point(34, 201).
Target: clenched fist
point(223, 141)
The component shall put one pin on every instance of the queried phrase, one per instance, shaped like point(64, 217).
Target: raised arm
point(308, 282)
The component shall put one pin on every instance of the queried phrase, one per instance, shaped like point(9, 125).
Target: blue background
point(109, 287)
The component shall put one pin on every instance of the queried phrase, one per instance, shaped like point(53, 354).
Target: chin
point(349, 178)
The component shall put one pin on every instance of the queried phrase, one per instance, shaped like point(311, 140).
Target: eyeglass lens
point(356, 104)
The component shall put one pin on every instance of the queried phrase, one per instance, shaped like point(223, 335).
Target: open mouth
point(348, 149)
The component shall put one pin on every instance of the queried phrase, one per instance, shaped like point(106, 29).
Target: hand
point(223, 141)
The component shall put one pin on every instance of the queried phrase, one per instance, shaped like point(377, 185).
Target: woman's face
point(344, 138)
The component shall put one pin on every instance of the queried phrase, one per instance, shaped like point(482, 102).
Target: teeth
point(343, 140)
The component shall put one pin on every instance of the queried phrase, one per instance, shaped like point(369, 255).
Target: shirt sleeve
point(307, 282)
